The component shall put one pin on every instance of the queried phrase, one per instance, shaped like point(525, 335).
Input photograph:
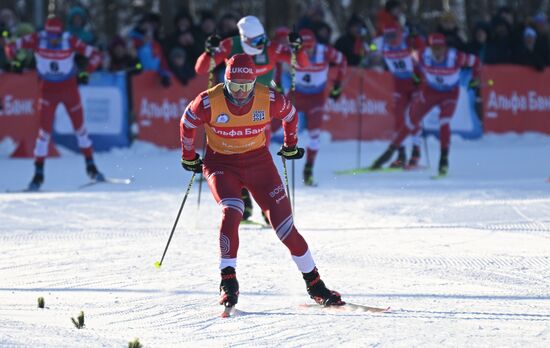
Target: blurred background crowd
point(168, 36)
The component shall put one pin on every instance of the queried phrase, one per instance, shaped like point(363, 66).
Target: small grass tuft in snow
point(79, 322)
point(134, 344)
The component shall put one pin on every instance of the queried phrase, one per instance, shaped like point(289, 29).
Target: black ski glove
point(291, 152)
point(211, 44)
point(295, 41)
point(194, 165)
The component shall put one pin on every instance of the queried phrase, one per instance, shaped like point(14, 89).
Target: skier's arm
point(281, 108)
point(282, 53)
point(336, 58)
point(202, 66)
point(467, 60)
point(90, 52)
point(194, 115)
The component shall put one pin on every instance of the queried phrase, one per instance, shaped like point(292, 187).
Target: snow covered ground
point(463, 261)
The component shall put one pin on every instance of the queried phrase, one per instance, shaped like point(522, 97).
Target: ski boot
point(245, 196)
point(318, 291)
point(92, 171)
point(415, 157)
point(308, 175)
point(229, 287)
point(385, 157)
point(444, 162)
point(401, 159)
point(38, 177)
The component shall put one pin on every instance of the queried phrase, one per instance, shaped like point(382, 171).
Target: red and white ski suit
point(440, 88)
point(310, 90)
point(237, 157)
point(58, 84)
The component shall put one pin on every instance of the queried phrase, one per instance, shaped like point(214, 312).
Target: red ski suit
point(237, 157)
point(57, 72)
point(401, 64)
point(440, 88)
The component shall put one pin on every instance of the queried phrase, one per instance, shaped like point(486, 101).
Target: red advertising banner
point(18, 112)
point(365, 108)
point(515, 99)
point(158, 109)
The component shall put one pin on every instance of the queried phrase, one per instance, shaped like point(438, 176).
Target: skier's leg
point(226, 189)
point(400, 105)
point(419, 107)
point(314, 125)
point(46, 112)
point(448, 107)
point(74, 108)
point(268, 190)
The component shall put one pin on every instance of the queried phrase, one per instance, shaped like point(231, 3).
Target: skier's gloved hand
point(194, 165)
point(295, 41)
point(473, 84)
point(336, 91)
point(211, 44)
point(291, 152)
point(83, 78)
point(16, 66)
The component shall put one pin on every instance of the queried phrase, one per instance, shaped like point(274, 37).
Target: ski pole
point(210, 84)
point(360, 118)
point(286, 180)
point(425, 138)
point(159, 263)
point(293, 89)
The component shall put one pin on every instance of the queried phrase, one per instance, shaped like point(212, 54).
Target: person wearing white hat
point(253, 41)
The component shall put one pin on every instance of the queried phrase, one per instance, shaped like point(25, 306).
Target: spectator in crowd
point(184, 37)
point(323, 33)
point(179, 65)
point(227, 26)
point(391, 15)
point(77, 20)
point(478, 44)
point(540, 24)
point(145, 39)
point(528, 53)
point(207, 27)
point(354, 43)
point(448, 26)
point(506, 14)
point(313, 15)
point(120, 58)
point(24, 56)
point(8, 22)
point(499, 47)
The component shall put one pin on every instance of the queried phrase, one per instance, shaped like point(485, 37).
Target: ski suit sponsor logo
point(258, 115)
point(361, 104)
point(277, 190)
point(517, 103)
point(166, 110)
point(16, 107)
point(241, 70)
point(222, 118)
point(243, 132)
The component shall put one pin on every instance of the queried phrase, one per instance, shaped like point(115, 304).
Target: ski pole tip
point(157, 264)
